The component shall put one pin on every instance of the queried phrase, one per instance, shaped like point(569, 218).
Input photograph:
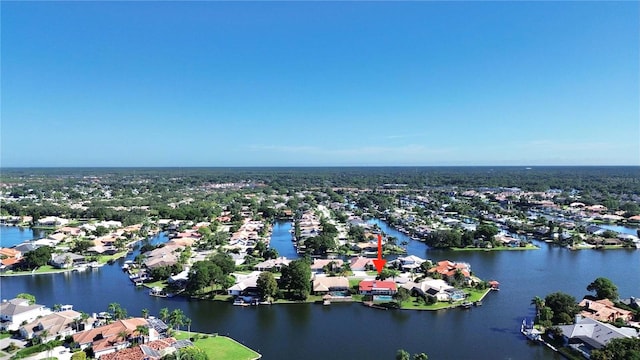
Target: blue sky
point(320, 83)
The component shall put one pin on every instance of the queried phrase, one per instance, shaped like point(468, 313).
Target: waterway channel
point(351, 331)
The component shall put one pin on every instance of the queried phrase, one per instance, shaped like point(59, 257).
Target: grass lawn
point(103, 259)
point(5, 335)
point(473, 296)
point(220, 347)
point(161, 284)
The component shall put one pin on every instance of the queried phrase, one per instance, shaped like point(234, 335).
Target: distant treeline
point(599, 179)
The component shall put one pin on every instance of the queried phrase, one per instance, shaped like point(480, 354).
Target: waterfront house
point(319, 265)
point(61, 323)
point(408, 263)
point(594, 230)
point(153, 350)
point(17, 311)
point(26, 246)
point(246, 285)
point(57, 237)
point(448, 269)
point(108, 338)
point(164, 256)
point(361, 263)
point(326, 284)
point(430, 287)
point(9, 257)
point(588, 334)
point(604, 310)
point(66, 260)
point(377, 287)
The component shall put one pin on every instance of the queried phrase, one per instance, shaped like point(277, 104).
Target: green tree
point(402, 295)
point(420, 356)
point(36, 258)
point(30, 298)
point(145, 313)
point(143, 332)
point(164, 314)
point(402, 354)
point(604, 288)
point(79, 355)
point(621, 348)
point(538, 302)
point(296, 278)
point(564, 307)
point(176, 318)
point(267, 285)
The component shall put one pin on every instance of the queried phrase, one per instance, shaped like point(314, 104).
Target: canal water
point(351, 331)
point(14, 235)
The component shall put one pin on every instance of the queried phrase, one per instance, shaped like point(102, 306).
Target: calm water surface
point(350, 331)
point(12, 235)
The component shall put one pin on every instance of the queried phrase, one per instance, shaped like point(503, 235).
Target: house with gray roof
point(17, 311)
point(588, 334)
point(66, 260)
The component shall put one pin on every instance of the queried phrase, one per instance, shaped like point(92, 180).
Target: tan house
point(326, 284)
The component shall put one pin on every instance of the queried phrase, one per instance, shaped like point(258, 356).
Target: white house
point(52, 221)
point(16, 311)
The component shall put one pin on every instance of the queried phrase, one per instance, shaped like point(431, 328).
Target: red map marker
point(379, 262)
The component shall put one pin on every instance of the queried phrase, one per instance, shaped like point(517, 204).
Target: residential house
point(594, 230)
point(26, 246)
point(319, 265)
point(430, 287)
point(57, 237)
point(153, 350)
point(66, 260)
point(604, 310)
point(276, 264)
point(16, 311)
point(361, 263)
point(377, 287)
point(588, 334)
point(327, 284)
point(108, 339)
point(52, 221)
point(164, 256)
point(62, 323)
point(9, 257)
point(408, 263)
point(447, 269)
point(246, 285)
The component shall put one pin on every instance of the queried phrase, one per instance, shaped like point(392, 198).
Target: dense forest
point(604, 179)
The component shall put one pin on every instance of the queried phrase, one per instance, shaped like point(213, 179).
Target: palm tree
point(393, 273)
point(176, 318)
point(49, 346)
point(164, 314)
point(123, 335)
point(538, 302)
point(113, 307)
point(187, 321)
point(43, 335)
point(145, 313)
point(142, 331)
point(57, 307)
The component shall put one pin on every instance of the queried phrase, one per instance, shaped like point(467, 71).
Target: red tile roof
point(368, 285)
